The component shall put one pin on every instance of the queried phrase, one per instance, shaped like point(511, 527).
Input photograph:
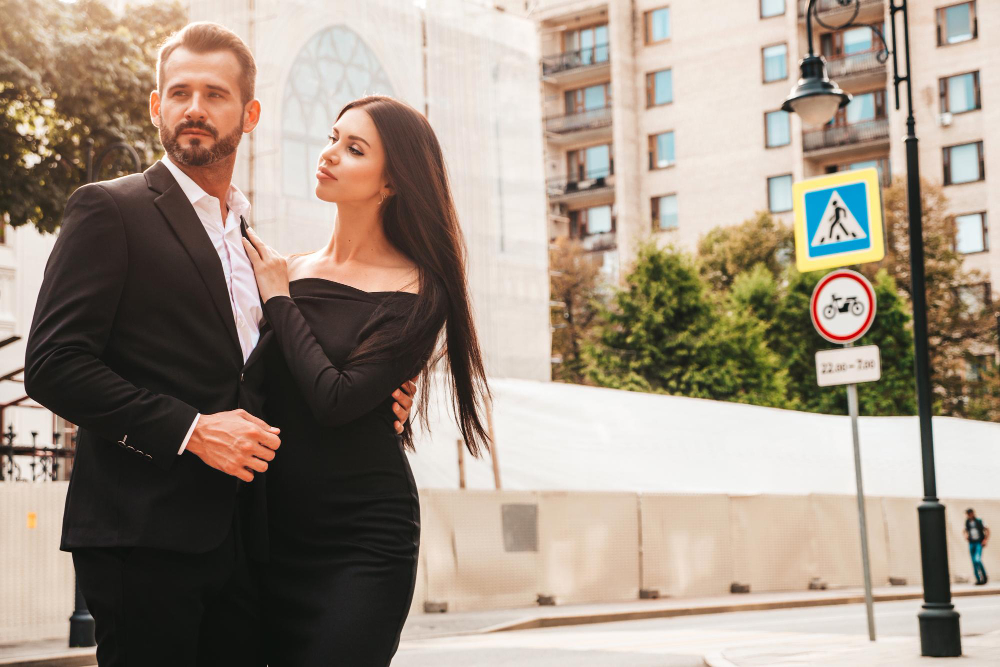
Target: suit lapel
point(181, 216)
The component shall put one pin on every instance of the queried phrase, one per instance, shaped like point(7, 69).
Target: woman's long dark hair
point(420, 220)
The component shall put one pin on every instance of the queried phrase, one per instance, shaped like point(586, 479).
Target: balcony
point(599, 242)
point(865, 134)
point(580, 126)
point(869, 8)
point(577, 66)
point(596, 189)
point(856, 65)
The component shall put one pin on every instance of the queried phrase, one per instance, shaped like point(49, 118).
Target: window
point(777, 126)
point(971, 233)
point(957, 23)
point(657, 24)
point(863, 107)
point(587, 163)
point(882, 164)
point(586, 99)
point(964, 163)
point(779, 193)
point(591, 43)
point(314, 95)
point(589, 221)
point(960, 93)
point(775, 62)
point(659, 88)
point(661, 150)
point(664, 212)
point(847, 42)
point(769, 8)
point(974, 297)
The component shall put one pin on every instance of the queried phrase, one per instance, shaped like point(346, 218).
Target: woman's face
point(352, 166)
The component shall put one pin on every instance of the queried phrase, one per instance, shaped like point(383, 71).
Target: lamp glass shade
point(816, 109)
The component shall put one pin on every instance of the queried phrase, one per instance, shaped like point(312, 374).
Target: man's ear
point(251, 115)
point(154, 108)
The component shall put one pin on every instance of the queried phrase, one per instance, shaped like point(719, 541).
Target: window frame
point(763, 66)
point(654, 210)
point(939, 20)
point(947, 162)
point(647, 25)
point(771, 16)
point(767, 145)
point(582, 152)
point(943, 92)
point(767, 185)
point(591, 26)
point(880, 99)
point(651, 88)
point(985, 228)
point(652, 151)
point(579, 93)
point(582, 214)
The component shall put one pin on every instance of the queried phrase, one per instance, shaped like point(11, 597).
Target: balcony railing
point(846, 135)
point(583, 120)
point(835, 5)
point(855, 64)
point(599, 241)
point(588, 57)
point(594, 183)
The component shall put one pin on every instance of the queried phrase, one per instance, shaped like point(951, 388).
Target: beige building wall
point(719, 100)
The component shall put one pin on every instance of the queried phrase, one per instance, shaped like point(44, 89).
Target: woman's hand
point(270, 268)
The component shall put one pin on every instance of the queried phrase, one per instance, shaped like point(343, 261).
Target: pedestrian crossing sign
point(838, 220)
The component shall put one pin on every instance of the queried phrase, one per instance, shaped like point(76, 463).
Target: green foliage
point(725, 252)
point(575, 285)
point(666, 334)
point(70, 72)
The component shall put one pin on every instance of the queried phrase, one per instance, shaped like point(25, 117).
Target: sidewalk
point(798, 650)
point(852, 651)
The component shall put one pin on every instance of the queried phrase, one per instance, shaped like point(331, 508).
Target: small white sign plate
point(848, 365)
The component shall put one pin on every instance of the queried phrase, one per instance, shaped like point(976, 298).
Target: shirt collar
point(236, 200)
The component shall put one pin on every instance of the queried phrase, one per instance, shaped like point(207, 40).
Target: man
point(145, 319)
point(978, 535)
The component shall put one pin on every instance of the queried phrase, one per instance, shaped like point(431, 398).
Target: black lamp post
point(816, 99)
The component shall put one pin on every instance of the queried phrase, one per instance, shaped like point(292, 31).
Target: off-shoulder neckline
point(350, 287)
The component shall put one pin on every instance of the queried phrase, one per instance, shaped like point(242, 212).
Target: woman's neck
point(358, 236)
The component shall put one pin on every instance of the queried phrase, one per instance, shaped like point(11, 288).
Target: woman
point(345, 326)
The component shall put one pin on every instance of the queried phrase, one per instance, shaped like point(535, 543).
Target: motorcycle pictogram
point(850, 304)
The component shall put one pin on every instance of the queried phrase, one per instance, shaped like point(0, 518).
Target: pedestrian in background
point(978, 535)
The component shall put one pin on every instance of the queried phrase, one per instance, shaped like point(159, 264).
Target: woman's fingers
point(251, 252)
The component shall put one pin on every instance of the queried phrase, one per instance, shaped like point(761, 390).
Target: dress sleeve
point(335, 396)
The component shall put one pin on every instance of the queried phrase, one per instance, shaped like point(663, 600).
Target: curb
point(610, 617)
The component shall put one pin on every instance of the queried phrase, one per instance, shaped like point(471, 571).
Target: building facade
point(663, 120)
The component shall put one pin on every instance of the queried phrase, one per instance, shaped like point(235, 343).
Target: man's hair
point(205, 37)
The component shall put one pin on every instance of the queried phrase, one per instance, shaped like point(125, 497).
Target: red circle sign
point(842, 306)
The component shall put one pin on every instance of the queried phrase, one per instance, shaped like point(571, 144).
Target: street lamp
point(817, 99)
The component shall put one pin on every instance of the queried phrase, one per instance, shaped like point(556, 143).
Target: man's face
point(199, 111)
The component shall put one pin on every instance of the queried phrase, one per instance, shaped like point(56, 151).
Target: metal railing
point(592, 183)
point(834, 5)
point(563, 62)
point(846, 135)
point(583, 120)
point(855, 64)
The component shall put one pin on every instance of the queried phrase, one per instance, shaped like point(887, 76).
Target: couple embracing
point(195, 359)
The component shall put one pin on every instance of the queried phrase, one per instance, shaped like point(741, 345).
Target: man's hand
point(235, 442)
point(404, 401)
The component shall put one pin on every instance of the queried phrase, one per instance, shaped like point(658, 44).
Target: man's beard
point(196, 155)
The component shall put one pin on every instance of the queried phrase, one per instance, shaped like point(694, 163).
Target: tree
point(665, 334)
point(575, 285)
point(71, 72)
point(958, 322)
point(725, 252)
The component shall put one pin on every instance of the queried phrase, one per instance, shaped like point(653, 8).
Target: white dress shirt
point(236, 267)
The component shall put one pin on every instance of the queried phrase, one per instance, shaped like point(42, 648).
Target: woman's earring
point(383, 197)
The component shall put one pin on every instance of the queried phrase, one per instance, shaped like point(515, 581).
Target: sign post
point(843, 309)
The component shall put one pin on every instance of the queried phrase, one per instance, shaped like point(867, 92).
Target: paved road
point(678, 642)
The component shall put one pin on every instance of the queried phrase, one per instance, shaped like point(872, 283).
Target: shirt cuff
point(187, 437)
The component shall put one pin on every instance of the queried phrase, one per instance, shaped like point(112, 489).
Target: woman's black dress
point(343, 515)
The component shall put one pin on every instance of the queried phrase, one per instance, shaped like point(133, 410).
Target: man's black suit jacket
point(133, 335)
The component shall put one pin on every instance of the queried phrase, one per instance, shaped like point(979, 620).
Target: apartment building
point(663, 117)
